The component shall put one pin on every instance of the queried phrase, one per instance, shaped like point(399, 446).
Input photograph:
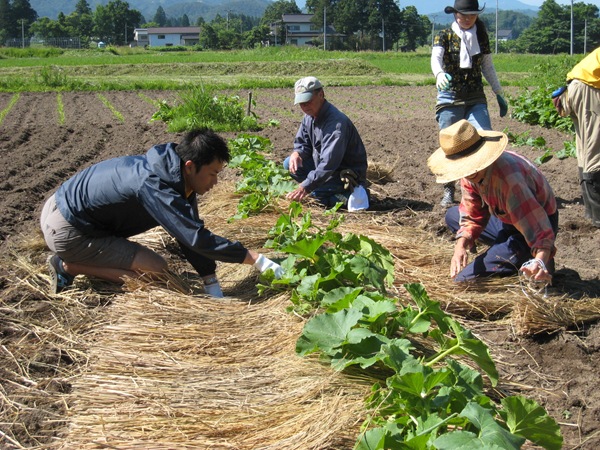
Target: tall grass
point(201, 107)
point(126, 68)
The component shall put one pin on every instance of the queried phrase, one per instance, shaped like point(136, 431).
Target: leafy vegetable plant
point(262, 179)
point(433, 396)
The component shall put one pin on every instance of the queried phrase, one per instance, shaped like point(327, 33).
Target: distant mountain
point(173, 8)
point(434, 9)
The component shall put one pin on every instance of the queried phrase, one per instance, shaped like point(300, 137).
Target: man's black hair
point(202, 147)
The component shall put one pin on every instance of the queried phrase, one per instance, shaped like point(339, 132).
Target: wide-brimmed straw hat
point(464, 150)
point(464, 7)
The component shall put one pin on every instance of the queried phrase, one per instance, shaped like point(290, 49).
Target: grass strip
point(110, 106)
point(12, 103)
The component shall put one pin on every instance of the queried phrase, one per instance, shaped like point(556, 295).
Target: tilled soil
point(39, 150)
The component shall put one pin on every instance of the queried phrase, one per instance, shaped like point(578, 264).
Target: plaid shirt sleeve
point(516, 192)
point(474, 214)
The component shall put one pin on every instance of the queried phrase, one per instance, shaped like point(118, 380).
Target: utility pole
point(496, 26)
point(571, 27)
point(324, 28)
point(585, 38)
point(383, 34)
point(433, 28)
point(228, 11)
point(22, 32)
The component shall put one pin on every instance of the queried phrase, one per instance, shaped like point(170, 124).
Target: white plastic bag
point(358, 199)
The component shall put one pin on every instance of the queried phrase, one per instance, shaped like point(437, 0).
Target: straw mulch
point(176, 371)
point(161, 366)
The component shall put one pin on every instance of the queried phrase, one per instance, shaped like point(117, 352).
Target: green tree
point(273, 15)
point(22, 11)
point(160, 17)
point(81, 22)
point(515, 21)
point(45, 28)
point(275, 10)
point(7, 23)
point(256, 36)
point(414, 30)
point(82, 7)
point(351, 16)
point(208, 37)
point(185, 21)
point(111, 21)
point(550, 32)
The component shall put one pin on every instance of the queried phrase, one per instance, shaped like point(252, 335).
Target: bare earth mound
point(47, 397)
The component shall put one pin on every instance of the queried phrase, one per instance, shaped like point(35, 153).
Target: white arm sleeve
point(437, 58)
point(489, 72)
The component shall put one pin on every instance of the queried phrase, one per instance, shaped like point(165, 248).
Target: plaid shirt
point(516, 192)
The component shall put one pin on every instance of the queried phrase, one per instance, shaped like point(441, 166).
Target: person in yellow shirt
point(581, 101)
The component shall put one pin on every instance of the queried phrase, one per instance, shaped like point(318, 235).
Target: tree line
point(358, 25)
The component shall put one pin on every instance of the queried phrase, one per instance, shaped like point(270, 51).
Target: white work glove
point(442, 81)
point(263, 264)
point(213, 289)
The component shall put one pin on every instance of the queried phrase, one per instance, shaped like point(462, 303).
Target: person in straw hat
point(461, 54)
point(506, 203)
point(329, 160)
point(88, 220)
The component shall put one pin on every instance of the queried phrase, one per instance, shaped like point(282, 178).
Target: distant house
point(299, 30)
point(505, 35)
point(166, 36)
point(140, 37)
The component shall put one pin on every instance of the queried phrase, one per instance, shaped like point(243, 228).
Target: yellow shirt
point(587, 70)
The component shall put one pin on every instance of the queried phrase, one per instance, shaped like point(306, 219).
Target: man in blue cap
point(329, 158)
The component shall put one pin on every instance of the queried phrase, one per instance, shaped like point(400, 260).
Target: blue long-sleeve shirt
point(333, 142)
point(129, 195)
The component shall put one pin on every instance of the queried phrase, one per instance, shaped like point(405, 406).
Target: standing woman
point(460, 56)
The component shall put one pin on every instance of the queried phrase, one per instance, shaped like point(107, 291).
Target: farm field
point(47, 397)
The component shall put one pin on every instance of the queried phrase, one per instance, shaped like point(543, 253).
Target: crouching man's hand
point(263, 264)
point(297, 194)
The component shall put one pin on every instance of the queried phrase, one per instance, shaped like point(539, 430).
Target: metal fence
point(60, 42)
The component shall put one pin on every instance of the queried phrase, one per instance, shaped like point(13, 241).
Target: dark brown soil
point(399, 131)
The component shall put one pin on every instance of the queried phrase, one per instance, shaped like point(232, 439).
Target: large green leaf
point(491, 436)
point(526, 418)
point(340, 298)
point(372, 439)
point(397, 355)
point(363, 347)
point(306, 247)
point(327, 332)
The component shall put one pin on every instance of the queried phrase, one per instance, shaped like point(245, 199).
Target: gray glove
point(442, 81)
point(349, 178)
point(263, 264)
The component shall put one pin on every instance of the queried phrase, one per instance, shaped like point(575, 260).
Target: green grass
point(6, 110)
point(110, 106)
point(24, 70)
point(60, 107)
